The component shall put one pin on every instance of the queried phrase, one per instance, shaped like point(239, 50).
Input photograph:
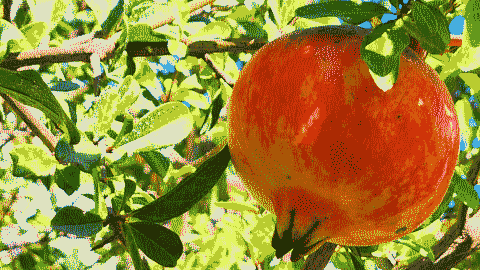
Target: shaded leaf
point(71, 219)
point(157, 162)
point(348, 11)
point(28, 88)
point(31, 161)
point(64, 86)
point(464, 113)
point(213, 30)
point(169, 124)
point(217, 106)
point(68, 179)
point(188, 192)
point(114, 102)
point(157, 242)
point(109, 26)
point(381, 50)
point(239, 206)
point(430, 28)
point(85, 154)
point(465, 192)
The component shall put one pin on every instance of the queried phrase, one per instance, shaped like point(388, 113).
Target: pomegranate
point(334, 157)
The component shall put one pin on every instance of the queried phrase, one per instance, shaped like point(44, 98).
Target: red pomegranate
point(334, 157)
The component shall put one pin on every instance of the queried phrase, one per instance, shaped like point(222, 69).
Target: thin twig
point(38, 128)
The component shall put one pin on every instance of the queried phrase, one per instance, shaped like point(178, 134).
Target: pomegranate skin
point(334, 157)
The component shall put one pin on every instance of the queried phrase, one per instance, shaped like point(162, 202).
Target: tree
point(120, 107)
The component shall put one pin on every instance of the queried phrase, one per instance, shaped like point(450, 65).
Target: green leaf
point(28, 88)
point(27, 261)
point(192, 97)
point(214, 30)
point(71, 219)
point(423, 250)
point(217, 106)
point(239, 206)
point(275, 6)
point(365, 249)
point(191, 82)
point(133, 248)
point(130, 188)
point(188, 192)
point(90, 196)
point(85, 154)
point(169, 124)
point(23, 17)
point(127, 127)
point(142, 32)
point(437, 3)
point(357, 261)
point(115, 102)
point(395, 3)
point(157, 162)
point(48, 11)
point(157, 242)
point(348, 11)
point(34, 32)
point(465, 192)
point(117, 202)
point(167, 32)
point(68, 179)
point(181, 13)
point(252, 30)
point(177, 48)
point(466, 58)
point(109, 26)
point(472, 23)
point(429, 27)
point(464, 113)
point(31, 161)
point(286, 11)
point(472, 80)
point(381, 50)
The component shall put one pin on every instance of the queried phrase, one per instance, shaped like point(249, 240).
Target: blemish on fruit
point(307, 51)
point(420, 102)
point(401, 230)
point(449, 113)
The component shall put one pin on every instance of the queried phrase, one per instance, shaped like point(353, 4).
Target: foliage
point(113, 127)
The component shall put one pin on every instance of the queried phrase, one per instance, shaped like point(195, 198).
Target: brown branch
point(14, 133)
point(36, 126)
point(192, 6)
point(76, 52)
point(197, 48)
point(191, 146)
point(320, 258)
point(7, 8)
point(219, 71)
point(421, 263)
point(456, 253)
point(7, 204)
